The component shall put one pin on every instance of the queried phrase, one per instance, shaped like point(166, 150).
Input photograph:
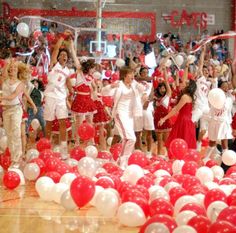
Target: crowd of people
point(171, 103)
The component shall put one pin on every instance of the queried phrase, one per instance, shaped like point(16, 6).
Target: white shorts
point(55, 109)
point(148, 120)
point(219, 130)
point(138, 124)
point(204, 121)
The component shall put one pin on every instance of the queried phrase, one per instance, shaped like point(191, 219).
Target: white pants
point(12, 118)
point(55, 109)
point(125, 127)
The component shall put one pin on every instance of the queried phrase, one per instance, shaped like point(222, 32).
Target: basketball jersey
point(56, 86)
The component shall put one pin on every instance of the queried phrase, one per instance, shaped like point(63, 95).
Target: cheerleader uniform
point(100, 117)
point(161, 109)
point(83, 103)
point(55, 126)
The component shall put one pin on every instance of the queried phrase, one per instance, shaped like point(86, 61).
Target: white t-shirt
point(56, 86)
point(203, 88)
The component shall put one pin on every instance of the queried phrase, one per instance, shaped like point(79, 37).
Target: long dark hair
point(189, 90)
point(87, 65)
point(157, 90)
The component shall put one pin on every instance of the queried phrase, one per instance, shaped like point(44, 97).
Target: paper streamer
point(210, 38)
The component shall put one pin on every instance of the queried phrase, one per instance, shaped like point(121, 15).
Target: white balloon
point(67, 201)
point(31, 171)
point(109, 141)
point(160, 192)
point(168, 63)
point(211, 185)
point(67, 178)
point(44, 186)
point(72, 162)
point(183, 217)
point(97, 75)
point(35, 124)
point(31, 154)
point(218, 172)
point(2, 132)
point(131, 215)
point(157, 227)
point(177, 166)
point(3, 143)
point(107, 203)
point(204, 174)
point(91, 151)
point(184, 229)
point(214, 209)
point(161, 172)
point(200, 198)
point(57, 191)
point(217, 98)
point(87, 167)
point(23, 29)
point(229, 157)
point(20, 173)
point(182, 201)
point(179, 60)
point(171, 185)
point(191, 59)
point(133, 173)
point(98, 189)
point(120, 62)
point(227, 189)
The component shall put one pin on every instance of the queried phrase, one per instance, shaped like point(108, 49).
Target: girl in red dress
point(101, 117)
point(161, 109)
point(184, 127)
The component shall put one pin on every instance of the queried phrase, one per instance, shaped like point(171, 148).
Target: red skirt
point(55, 126)
point(83, 104)
point(100, 117)
point(157, 116)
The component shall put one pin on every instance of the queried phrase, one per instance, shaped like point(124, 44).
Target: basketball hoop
point(97, 56)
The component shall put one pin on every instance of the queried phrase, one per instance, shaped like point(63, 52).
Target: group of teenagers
point(171, 107)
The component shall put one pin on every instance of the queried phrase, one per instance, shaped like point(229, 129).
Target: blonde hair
point(23, 72)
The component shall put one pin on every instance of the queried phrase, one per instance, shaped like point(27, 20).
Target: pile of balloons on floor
point(181, 195)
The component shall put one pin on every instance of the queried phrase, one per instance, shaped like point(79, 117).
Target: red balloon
point(114, 77)
point(108, 73)
point(200, 223)
point(138, 158)
point(143, 190)
point(228, 214)
point(52, 163)
point(210, 163)
point(227, 181)
point(2, 63)
point(5, 161)
point(63, 168)
point(192, 155)
point(11, 179)
point(214, 195)
point(162, 164)
point(197, 189)
point(198, 209)
point(104, 155)
point(37, 34)
point(34, 71)
point(161, 206)
point(86, 131)
point(55, 176)
point(145, 181)
point(124, 186)
point(46, 154)
point(166, 180)
point(41, 165)
point(160, 218)
point(175, 193)
point(231, 200)
point(221, 227)
point(43, 144)
point(231, 170)
point(178, 148)
point(190, 182)
point(82, 190)
point(116, 150)
point(190, 167)
point(77, 153)
point(105, 182)
point(110, 167)
point(108, 101)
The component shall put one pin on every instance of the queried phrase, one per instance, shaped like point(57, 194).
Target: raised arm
point(201, 61)
point(168, 89)
point(184, 99)
point(74, 55)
